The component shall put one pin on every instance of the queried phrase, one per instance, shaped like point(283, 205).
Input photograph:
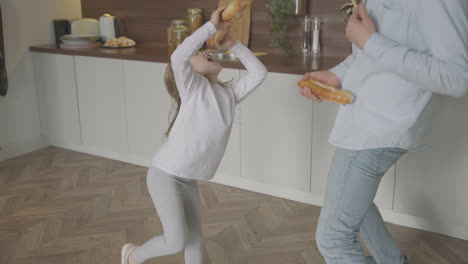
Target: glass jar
point(174, 23)
point(195, 19)
point(178, 35)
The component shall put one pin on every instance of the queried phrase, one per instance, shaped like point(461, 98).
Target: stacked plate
point(79, 41)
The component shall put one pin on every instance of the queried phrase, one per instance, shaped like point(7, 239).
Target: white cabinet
point(276, 131)
point(56, 92)
point(231, 164)
point(100, 84)
point(147, 104)
point(279, 140)
point(323, 153)
point(433, 184)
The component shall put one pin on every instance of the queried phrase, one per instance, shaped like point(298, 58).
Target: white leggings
point(177, 202)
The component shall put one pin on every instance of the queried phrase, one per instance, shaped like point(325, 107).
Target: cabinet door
point(433, 184)
point(323, 153)
point(56, 92)
point(148, 105)
point(100, 85)
point(276, 131)
point(231, 164)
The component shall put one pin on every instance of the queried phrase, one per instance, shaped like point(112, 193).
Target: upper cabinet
point(101, 97)
point(58, 105)
point(276, 129)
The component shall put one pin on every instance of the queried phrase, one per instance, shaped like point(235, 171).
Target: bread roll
point(328, 92)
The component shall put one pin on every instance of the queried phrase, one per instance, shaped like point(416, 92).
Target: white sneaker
point(126, 250)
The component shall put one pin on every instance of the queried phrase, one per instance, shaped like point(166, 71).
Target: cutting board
point(240, 30)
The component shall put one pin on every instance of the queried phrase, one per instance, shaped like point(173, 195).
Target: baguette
point(232, 13)
point(356, 6)
point(328, 92)
point(234, 10)
point(218, 37)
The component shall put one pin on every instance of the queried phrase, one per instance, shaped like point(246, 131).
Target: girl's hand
point(226, 44)
point(327, 77)
point(360, 27)
point(217, 21)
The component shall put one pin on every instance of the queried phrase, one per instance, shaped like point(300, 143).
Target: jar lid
point(194, 10)
point(179, 22)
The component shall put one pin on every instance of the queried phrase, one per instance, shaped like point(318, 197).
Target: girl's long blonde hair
point(171, 88)
point(173, 92)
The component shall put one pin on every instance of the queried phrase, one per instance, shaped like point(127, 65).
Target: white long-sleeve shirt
point(201, 131)
point(420, 48)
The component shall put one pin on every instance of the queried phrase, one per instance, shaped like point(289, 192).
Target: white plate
point(111, 47)
point(80, 37)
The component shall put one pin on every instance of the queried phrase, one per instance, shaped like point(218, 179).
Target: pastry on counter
point(121, 42)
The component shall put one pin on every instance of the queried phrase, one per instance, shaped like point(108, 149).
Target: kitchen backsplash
point(147, 21)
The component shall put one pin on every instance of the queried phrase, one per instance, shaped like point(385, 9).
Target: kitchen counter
point(147, 52)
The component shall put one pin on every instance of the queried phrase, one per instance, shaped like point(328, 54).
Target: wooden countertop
point(153, 53)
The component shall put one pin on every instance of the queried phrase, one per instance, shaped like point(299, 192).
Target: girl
point(196, 140)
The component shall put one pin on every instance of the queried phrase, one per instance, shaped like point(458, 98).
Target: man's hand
point(217, 21)
point(360, 27)
point(327, 77)
point(226, 44)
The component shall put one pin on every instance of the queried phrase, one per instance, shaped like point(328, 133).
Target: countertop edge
point(275, 63)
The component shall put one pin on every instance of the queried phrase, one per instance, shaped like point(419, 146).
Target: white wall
point(26, 23)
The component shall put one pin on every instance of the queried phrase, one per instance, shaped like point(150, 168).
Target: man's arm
point(444, 26)
point(341, 69)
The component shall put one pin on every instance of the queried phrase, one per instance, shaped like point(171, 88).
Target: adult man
point(403, 52)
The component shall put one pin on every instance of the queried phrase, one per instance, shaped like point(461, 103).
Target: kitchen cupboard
point(276, 129)
point(231, 163)
point(103, 116)
point(58, 105)
point(279, 141)
point(433, 184)
point(147, 107)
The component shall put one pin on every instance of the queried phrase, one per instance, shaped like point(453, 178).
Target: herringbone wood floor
point(59, 206)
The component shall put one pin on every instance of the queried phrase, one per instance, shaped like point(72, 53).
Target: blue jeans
point(349, 210)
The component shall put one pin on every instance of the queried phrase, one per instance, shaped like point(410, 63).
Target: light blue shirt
point(420, 48)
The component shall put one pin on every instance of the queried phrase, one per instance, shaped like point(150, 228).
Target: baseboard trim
point(19, 147)
point(127, 158)
point(268, 189)
point(390, 216)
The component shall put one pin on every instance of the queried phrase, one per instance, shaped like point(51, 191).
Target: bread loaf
point(356, 6)
point(232, 13)
point(218, 37)
point(328, 92)
point(234, 10)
